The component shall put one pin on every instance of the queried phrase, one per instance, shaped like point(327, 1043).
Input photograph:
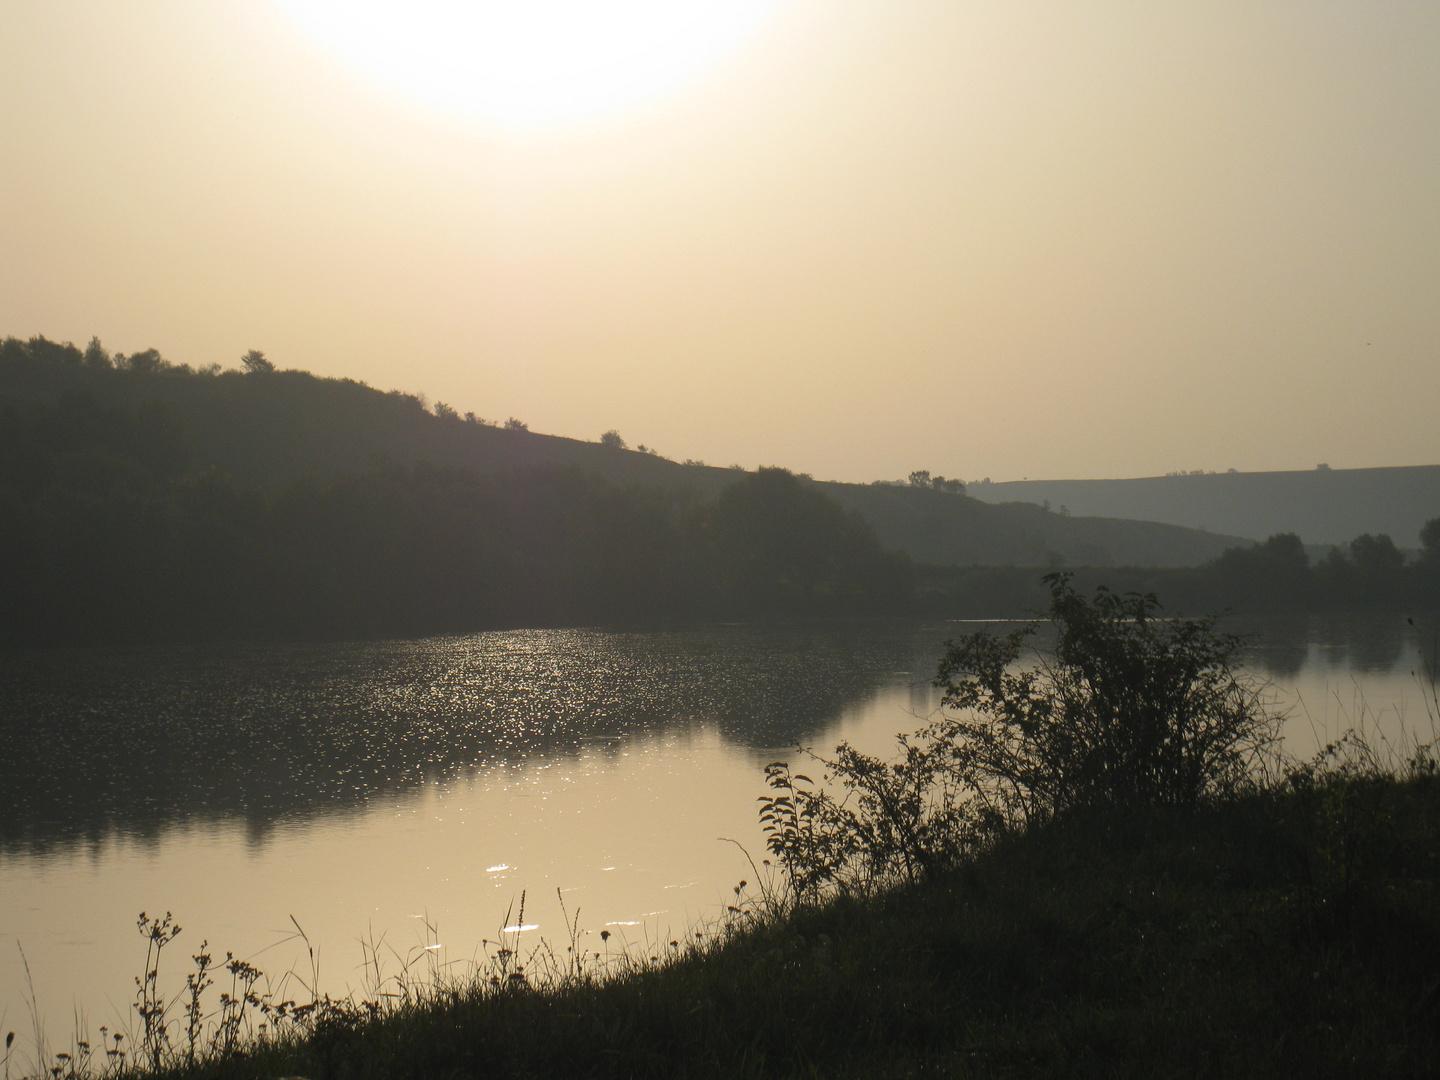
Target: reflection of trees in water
point(138, 741)
point(1279, 646)
point(1379, 652)
point(1366, 642)
point(1372, 642)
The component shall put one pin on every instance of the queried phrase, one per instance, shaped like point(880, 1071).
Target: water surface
point(403, 795)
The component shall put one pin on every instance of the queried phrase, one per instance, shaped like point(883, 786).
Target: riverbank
point(1286, 934)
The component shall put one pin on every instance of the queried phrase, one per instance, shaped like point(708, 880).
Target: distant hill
point(952, 530)
point(1321, 506)
point(269, 428)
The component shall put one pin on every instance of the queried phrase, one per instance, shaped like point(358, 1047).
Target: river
point(396, 799)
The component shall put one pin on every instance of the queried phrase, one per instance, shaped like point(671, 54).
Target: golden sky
point(997, 238)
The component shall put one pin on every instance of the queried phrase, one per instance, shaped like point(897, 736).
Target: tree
point(611, 440)
point(779, 544)
point(255, 363)
point(920, 478)
point(1274, 573)
point(95, 354)
point(145, 363)
point(516, 425)
point(1430, 541)
point(1376, 556)
point(1286, 549)
point(1427, 570)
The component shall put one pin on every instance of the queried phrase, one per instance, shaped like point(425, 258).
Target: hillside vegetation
point(1368, 574)
point(144, 500)
point(1323, 506)
point(175, 503)
point(267, 428)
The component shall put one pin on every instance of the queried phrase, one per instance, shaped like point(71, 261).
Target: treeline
point(106, 533)
point(144, 499)
point(1275, 576)
point(1370, 572)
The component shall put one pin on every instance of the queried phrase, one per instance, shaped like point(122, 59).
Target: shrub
point(1124, 709)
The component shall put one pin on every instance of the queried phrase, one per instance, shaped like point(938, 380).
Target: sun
point(531, 63)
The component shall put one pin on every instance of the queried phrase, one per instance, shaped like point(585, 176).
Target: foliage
point(116, 523)
point(1430, 540)
point(1276, 575)
point(1276, 571)
point(778, 544)
point(255, 363)
point(906, 820)
point(1124, 709)
point(921, 478)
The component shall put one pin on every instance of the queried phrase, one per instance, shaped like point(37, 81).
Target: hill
point(268, 428)
point(1322, 506)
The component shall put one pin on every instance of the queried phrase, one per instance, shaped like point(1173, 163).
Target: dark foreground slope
point(1286, 936)
point(269, 428)
point(1322, 506)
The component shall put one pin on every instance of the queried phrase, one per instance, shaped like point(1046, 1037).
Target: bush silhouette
point(1125, 709)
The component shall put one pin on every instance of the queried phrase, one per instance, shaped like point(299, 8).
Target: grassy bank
point(1285, 934)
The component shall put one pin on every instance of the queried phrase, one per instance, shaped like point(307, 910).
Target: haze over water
point(406, 793)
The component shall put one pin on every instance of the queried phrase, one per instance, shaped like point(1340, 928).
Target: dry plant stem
point(37, 1025)
point(151, 1007)
point(196, 984)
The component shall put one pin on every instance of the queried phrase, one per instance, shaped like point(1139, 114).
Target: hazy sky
point(994, 238)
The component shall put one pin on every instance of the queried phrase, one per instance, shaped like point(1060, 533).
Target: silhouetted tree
point(255, 363)
point(1376, 555)
point(1275, 573)
point(95, 355)
point(781, 545)
point(612, 440)
point(1430, 540)
point(1427, 567)
point(146, 362)
point(1379, 564)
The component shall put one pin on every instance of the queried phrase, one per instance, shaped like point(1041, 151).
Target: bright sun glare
point(531, 63)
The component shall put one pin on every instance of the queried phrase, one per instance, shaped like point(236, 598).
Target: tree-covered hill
point(141, 499)
point(146, 501)
point(944, 529)
point(1323, 506)
point(266, 428)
